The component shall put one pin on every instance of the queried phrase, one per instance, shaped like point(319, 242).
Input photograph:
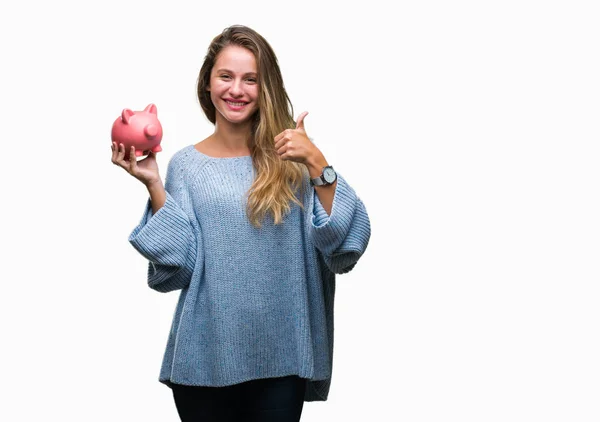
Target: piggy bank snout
point(151, 130)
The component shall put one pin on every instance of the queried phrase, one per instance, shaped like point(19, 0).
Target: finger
point(300, 121)
point(285, 148)
point(287, 155)
point(280, 150)
point(132, 160)
point(281, 135)
point(114, 153)
point(121, 156)
point(283, 140)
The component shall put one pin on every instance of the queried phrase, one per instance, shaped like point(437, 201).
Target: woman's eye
point(253, 80)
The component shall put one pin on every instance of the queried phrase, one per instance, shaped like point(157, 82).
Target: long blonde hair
point(276, 181)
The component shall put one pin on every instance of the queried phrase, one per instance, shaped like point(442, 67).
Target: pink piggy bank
point(140, 129)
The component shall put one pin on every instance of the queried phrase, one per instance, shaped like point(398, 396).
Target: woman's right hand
point(146, 170)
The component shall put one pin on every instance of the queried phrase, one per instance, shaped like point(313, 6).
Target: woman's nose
point(236, 89)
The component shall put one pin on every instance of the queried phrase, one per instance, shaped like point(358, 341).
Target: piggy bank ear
point(126, 115)
point(151, 108)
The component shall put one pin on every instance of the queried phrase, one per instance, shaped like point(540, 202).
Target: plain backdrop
point(469, 129)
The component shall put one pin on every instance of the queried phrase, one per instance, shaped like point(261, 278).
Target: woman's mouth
point(236, 105)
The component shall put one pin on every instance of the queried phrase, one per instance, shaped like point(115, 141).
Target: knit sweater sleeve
point(342, 237)
point(167, 238)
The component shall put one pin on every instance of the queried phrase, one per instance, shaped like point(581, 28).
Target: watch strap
point(318, 181)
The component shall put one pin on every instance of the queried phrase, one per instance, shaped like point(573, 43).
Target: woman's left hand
point(294, 145)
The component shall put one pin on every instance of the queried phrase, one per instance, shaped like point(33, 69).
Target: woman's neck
point(232, 138)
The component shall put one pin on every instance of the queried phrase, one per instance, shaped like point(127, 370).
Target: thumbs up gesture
point(294, 144)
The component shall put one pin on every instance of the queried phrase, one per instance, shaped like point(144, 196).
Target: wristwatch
point(327, 177)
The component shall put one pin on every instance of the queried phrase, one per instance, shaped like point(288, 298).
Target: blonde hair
point(276, 181)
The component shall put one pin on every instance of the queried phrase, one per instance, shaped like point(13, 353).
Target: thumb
point(300, 121)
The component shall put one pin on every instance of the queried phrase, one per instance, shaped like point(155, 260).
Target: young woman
point(251, 225)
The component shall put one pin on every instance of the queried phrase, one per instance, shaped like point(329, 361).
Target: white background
point(469, 129)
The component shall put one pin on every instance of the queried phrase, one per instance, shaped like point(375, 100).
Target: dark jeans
point(264, 400)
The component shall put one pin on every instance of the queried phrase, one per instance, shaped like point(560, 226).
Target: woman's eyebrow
point(230, 71)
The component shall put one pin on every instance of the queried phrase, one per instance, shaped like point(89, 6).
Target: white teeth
point(235, 104)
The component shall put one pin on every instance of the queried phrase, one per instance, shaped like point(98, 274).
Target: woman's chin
point(237, 119)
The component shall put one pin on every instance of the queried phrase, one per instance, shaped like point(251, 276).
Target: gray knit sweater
point(253, 303)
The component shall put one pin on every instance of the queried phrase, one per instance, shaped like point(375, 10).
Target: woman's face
point(234, 84)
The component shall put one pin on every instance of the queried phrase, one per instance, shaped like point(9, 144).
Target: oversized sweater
point(253, 302)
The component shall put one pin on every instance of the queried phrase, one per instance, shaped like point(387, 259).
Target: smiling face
point(234, 85)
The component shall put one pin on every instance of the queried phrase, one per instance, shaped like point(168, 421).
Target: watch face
point(329, 175)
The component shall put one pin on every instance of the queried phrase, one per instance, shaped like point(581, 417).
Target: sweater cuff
point(354, 245)
point(165, 237)
point(329, 231)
